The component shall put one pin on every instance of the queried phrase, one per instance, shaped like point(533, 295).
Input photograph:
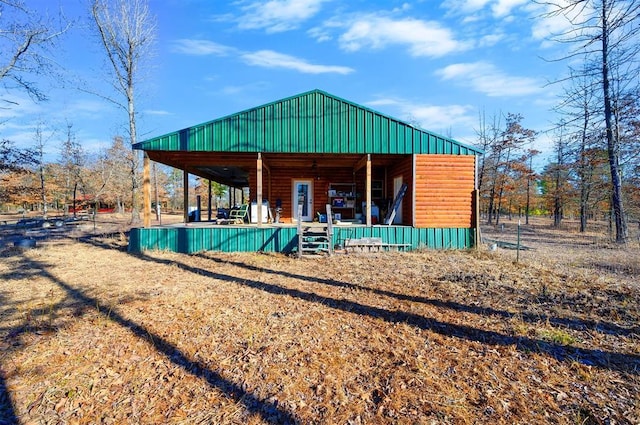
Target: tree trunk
point(75, 188)
point(612, 142)
point(43, 193)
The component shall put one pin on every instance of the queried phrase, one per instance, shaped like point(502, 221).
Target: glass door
point(302, 195)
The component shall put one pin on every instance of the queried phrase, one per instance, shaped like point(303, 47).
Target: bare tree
point(41, 140)
point(559, 176)
point(607, 31)
point(25, 41)
point(488, 140)
point(531, 176)
point(72, 162)
point(117, 156)
point(127, 33)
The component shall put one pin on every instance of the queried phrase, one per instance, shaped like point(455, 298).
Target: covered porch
point(359, 187)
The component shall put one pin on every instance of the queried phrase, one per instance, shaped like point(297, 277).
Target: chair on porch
point(239, 215)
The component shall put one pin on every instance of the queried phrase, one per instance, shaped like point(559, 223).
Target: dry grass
point(91, 334)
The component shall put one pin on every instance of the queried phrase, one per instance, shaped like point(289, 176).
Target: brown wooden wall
point(444, 190)
point(279, 185)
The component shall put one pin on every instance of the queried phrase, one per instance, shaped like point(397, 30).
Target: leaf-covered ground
point(92, 334)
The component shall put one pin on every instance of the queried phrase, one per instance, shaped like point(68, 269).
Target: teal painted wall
point(284, 239)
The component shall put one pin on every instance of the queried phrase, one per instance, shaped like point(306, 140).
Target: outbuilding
point(383, 178)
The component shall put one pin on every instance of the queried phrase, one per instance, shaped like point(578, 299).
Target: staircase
point(315, 240)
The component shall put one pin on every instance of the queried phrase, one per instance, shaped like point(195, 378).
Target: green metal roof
point(311, 122)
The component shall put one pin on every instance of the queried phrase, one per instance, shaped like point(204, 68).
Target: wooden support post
point(368, 192)
point(185, 197)
point(476, 218)
point(259, 191)
point(209, 205)
point(146, 191)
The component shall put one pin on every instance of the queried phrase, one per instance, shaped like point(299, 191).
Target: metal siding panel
point(237, 137)
point(206, 137)
point(333, 145)
point(319, 121)
point(393, 137)
point(375, 133)
point(447, 147)
point(344, 127)
point(312, 111)
point(417, 141)
point(345, 123)
point(386, 140)
point(217, 135)
point(463, 239)
point(431, 238)
point(450, 238)
point(290, 133)
point(353, 128)
point(278, 136)
point(303, 122)
point(224, 134)
point(408, 140)
point(360, 141)
point(369, 132)
point(285, 124)
point(259, 132)
point(230, 239)
point(439, 239)
point(248, 125)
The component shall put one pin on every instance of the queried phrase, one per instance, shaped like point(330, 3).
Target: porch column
point(146, 191)
point(209, 200)
point(368, 191)
point(259, 190)
point(185, 197)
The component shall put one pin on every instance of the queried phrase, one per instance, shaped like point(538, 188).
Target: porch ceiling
point(232, 168)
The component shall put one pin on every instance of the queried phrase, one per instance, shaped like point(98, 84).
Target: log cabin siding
point(279, 185)
point(443, 191)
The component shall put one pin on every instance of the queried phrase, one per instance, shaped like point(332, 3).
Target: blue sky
point(435, 63)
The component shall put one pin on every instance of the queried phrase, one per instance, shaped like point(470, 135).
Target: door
point(302, 195)
point(397, 184)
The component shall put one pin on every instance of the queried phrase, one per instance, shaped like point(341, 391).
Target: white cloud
point(271, 59)
point(498, 8)
point(14, 106)
point(85, 108)
point(422, 38)
point(440, 118)
point(547, 24)
point(490, 40)
point(278, 15)
point(502, 8)
point(157, 112)
point(199, 47)
point(465, 6)
point(486, 78)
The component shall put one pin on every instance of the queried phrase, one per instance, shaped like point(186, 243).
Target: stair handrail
point(299, 230)
point(329, 229)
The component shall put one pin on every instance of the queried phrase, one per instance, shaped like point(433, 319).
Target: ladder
point(391, 214)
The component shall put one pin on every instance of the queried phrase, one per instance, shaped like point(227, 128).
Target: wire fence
point(593, 251)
